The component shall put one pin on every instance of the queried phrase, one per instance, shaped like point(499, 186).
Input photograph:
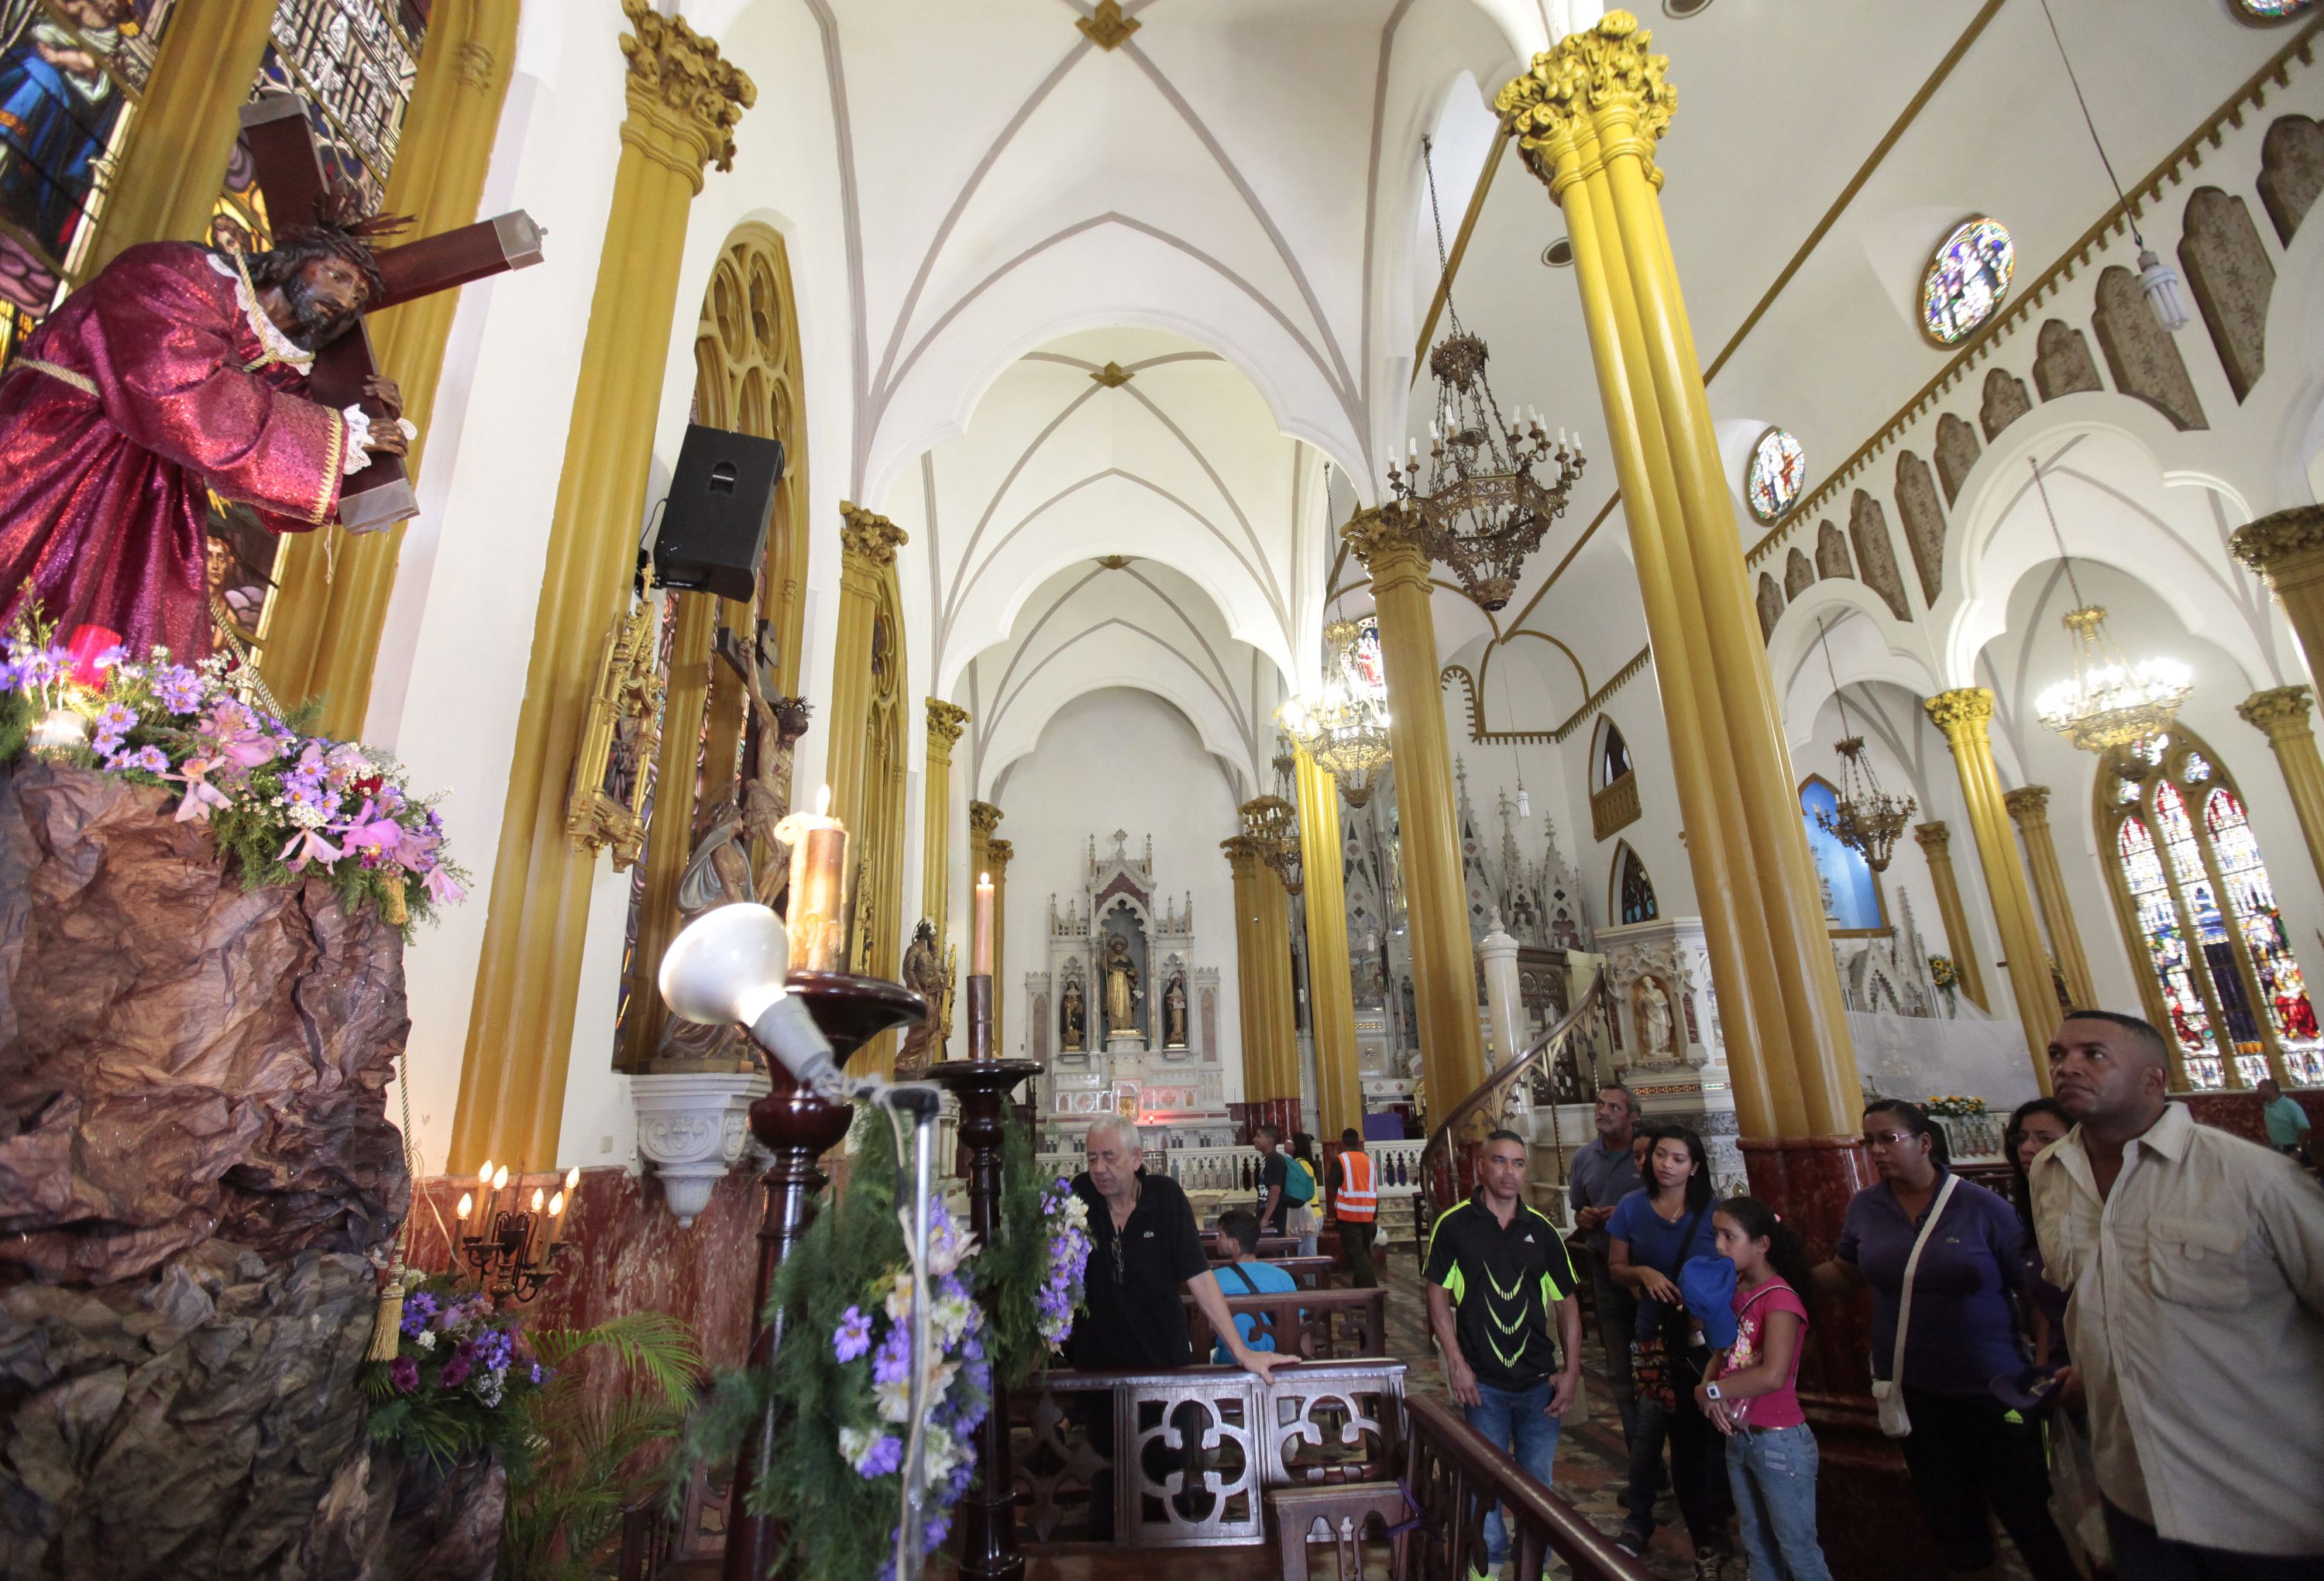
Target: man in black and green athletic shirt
point(1495, 1270)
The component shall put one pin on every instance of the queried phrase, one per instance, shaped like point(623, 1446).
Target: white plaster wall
point(1119, 759)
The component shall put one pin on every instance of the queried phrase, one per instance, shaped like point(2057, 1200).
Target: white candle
point(817, 923)
point(980, 962)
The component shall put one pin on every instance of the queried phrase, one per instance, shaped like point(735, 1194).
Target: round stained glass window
point(1966, 280)
point(2274, 10)
point(1771, 483)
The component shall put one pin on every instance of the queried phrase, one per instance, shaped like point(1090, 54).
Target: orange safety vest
point(1358, 1201)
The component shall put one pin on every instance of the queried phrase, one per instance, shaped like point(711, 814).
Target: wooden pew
point(1322, 1325)
point(1306, 1272)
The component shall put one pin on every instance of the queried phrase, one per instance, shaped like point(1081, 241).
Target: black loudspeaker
point(713, 531)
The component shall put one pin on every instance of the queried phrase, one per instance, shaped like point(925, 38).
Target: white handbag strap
point(1905, 1312)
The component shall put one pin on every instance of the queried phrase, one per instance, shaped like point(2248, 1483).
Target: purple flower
point(853, 1337)
point(179, 689)
point(539, 1374)
point(884, 1456)
point(152, 759)
point(418, 1308)
point(456, 1371)
point(494, 1350)
point(403, 1373)
point(893, 1365)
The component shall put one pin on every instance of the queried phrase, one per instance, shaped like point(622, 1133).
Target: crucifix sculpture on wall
point(290, 177)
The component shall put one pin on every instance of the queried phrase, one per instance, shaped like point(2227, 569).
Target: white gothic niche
point(1124, 1018)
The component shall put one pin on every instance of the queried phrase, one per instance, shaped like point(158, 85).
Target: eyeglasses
point(1892, 1138)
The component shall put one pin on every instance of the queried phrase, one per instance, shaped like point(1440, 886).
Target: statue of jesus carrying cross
point(179, 369)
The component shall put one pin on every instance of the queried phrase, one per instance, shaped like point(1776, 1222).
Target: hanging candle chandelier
point(1345, 728)
point(1864, 817)
point(2111, 702)
point(1480, 507)
point(1272, 824)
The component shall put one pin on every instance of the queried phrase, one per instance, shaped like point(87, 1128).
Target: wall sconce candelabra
point(514, 1250)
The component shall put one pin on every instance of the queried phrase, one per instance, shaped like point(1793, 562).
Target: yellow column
point(1444, 960)
point(944, 722)
point(174, 166)
point(1255, 1026)
point(2287, 548)
point(1937, 845)
point(325, 636)
point(2029, 807)
point(1331, 985)
point(1587, 117)
point(2283, 715)
point(684, 101)
point(1278, 1018)
point(1964, 715)
point(997, 852)
point(868, 542)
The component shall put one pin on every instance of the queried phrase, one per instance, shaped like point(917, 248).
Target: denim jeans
point(1516, 1420)
point(1773, 1472)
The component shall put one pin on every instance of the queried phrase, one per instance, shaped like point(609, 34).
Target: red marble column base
point(1871, 1528)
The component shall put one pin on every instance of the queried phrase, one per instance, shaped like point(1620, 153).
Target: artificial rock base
point(196, 1171)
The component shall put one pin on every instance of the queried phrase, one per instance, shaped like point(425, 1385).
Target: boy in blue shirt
point(1246, 1275)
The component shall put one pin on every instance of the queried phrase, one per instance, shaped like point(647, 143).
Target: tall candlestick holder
point(987, 1512)
point(798, 1127)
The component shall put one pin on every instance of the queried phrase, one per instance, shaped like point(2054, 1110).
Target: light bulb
point(540, 1198)
point(467, 1206)
point(573, 1178)
point(500, 1178)
point(484, 1177)
point(726, 965)
point(2160, 282)
point(1525, 804)
point(557, 1205)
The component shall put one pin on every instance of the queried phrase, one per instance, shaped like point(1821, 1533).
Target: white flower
point(1077, 1212)
point(895, 1401)
point(899, 1299)
point(943, 1452)
point(950, 1317)
point(425, 1339)
point(853, 1444)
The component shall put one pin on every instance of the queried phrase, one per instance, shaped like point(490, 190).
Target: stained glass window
point(2275, 10)
point(1635, 890)
point(2188, 868)
point(1364, 665)
point(72, 73)
point(1966, 279)
point(1771, 483)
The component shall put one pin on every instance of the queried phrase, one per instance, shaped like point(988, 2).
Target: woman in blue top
point(1654, 1231)
point(1970, 1456)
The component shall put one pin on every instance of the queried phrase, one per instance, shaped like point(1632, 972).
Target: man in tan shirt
point(2196, 1263)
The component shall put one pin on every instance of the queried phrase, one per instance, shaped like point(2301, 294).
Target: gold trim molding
point(603, 808)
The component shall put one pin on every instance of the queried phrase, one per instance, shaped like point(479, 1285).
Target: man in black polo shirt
point(1496, 1269)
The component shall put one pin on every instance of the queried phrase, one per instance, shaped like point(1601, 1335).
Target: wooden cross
point(291, 175)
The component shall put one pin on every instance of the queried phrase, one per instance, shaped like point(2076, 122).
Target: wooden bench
point(1323, 1324)
point(1307, 1272)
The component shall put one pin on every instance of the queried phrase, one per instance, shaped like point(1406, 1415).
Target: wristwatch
point(1711, 1391)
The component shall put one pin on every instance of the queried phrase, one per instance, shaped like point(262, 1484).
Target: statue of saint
point(1120, 988)
point(176, 371)
point(1174, 1015)
point(717, 874)
point(1654, 1016)
point(923, 973)
point(1071, 1017)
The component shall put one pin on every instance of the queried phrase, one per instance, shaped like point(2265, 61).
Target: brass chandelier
point(1482, 510)
point(1345, 728)
point(2111, 702)
point(1272, 825)
point(1864, 817)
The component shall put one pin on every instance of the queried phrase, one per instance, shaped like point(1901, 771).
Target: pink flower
point(309, 844)
point(404, 1374)
point(201, 795)
point(239, 738)
point(441, 888)
point(368, 832)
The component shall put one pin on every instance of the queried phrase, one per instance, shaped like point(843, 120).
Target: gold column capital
point(2275, 542)
point(1934, 839)
point(997, 853)
point(1393, 544)
point(1242, 853)
point(2281, 712)
point(1601, 78)
point(1962, 713)
point(945, 722)
point(685, 98)
point(867, 539)
point(983, 817)
point(2028, 805)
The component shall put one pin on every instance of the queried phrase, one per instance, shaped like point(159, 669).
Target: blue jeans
point(1773, 1471)
point(1516, 1420)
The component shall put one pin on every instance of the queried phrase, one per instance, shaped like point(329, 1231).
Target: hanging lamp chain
point(2129, 212)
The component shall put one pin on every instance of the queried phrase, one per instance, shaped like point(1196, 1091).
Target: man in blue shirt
point(1245, 1274)
point(1600, 1175)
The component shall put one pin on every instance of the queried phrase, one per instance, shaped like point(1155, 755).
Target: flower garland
point(458, 1377)
point(1952, 1106)
point(1067, 1255)
point(277, 801)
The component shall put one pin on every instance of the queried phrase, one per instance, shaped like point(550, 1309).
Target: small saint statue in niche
point(1121, 988)
point(1654, 1016)
point(1173, 1014)
point(923, 973)
point(1072, 1017)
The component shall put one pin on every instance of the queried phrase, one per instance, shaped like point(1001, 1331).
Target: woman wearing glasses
point(1970, 1456)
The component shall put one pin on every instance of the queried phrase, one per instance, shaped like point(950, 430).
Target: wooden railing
point(1454, 1477)
point(1448, 1163)
point(1324, 1325)
point(1184, 1459)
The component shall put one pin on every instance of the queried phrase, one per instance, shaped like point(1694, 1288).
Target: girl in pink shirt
point(1751, 1393)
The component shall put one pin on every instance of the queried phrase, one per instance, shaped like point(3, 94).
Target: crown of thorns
point(343, 228)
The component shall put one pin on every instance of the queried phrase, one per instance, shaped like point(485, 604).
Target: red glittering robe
point(148, 383)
